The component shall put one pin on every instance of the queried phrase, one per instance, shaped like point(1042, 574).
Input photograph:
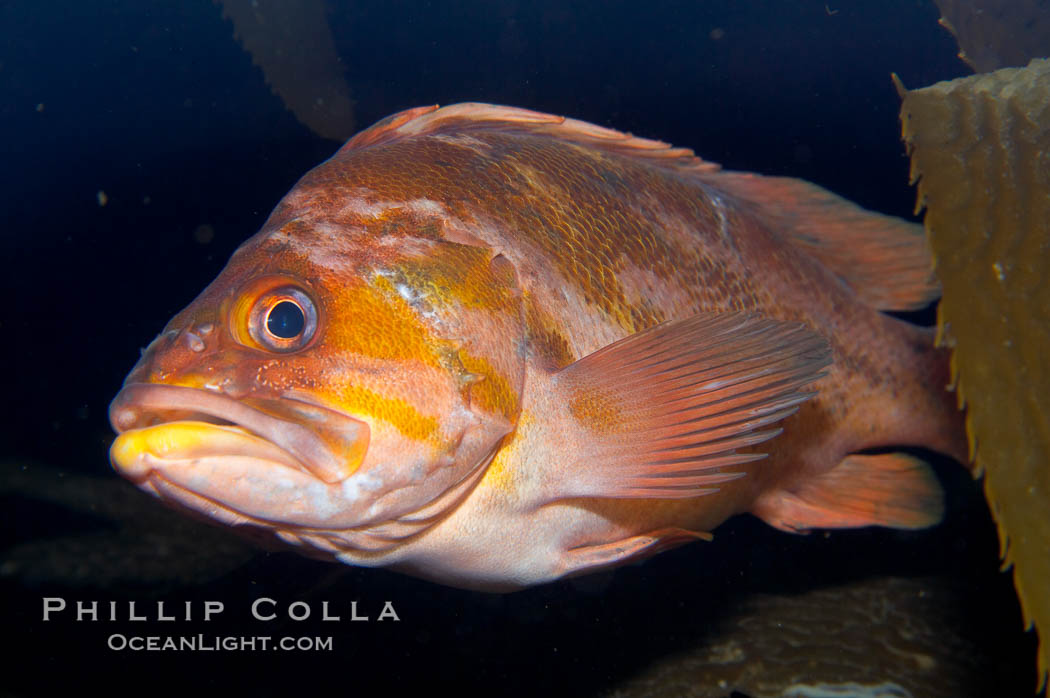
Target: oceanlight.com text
point(217, 643)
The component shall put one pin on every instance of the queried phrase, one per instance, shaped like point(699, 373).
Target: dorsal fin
point(426, 120)
point(885, 260)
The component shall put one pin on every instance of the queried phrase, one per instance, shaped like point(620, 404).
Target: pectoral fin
point(892, 489)
point(665, 412)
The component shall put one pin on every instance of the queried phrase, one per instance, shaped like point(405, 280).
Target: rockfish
point(492, 347)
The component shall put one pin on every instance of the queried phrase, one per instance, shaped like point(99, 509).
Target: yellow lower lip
point(135, 452)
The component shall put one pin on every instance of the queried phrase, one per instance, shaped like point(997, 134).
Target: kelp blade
point(980, 149)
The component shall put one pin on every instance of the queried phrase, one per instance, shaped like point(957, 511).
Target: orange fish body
point(492, 348)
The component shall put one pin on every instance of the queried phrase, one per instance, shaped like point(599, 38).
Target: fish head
point(343, 382)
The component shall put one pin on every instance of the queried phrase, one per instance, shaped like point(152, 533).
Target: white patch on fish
point(463, 141)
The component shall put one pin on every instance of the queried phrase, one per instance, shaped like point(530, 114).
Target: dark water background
point(158, 106)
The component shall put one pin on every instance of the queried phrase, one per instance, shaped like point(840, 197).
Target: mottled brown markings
point(450, 272)
point(588, 214)
point(545, 341)
point(580, 207)
point(597, 411)
point(493, 391)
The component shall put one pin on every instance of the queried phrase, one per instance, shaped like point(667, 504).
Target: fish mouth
point(158, 423)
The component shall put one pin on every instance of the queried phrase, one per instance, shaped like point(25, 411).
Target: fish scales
point(502, 347)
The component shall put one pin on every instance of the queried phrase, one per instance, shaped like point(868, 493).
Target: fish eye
point(283, 320)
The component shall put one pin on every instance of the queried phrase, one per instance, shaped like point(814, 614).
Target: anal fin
point(892, 489)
